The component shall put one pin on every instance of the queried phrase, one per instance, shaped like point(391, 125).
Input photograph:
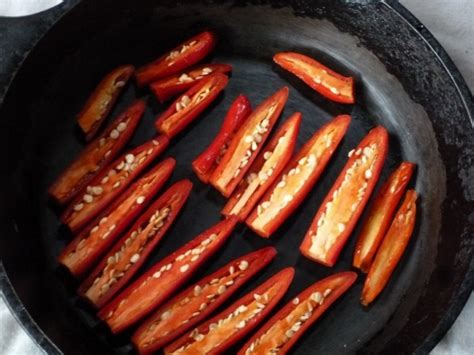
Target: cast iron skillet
point(405, 80)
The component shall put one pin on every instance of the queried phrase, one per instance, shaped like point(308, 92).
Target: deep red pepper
point(208, 160)
point(102, 99)
point(282, 331)
point(164, 278)
point(179, 58)
point(391, 250)
point(110, 183)
point(380, 216)
point(97, 154)
point(298, 178)
point(319, 77)
point(236, 321)
point(189, 105)
point(171, 86)
point(94, 240)
point(343, 205)
point(132, 250)
point(265, 169)
point(185, 310)
point(247, 143)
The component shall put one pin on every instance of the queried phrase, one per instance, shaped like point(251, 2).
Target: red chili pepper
point(130, 252)
point(110, 183)
point(102, 99)
point(208, 160)
point(85, 249)
point(171, 86)
point(298, 178)
point(247, 143)
point(189, 105)
point(380, 216)
point(179, 58)
point(198, 301)
point(391, 250)
point(264, 170)
point(327, 82)
point(222, 331)
point(164, 278)
point(97, 154)
point(343, 205)
point(282, 331)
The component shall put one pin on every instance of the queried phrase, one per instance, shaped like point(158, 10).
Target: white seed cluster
point(174, 54)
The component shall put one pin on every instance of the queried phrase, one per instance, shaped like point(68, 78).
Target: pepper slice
point(102, 99)
point(130, 252)
point(164, 278)
point(343, 205)
point(298, 178)
point(166, 88)
point(189, 105)
point(84, 250)
point(208, 160)
point(325, 81)
point(247, 143)
point(97, 154)
point(179, 58)
point(282, 331)
point(198, 301)
point(219, 333)
point(264, 170)
point(110, 183)
point(380, 216)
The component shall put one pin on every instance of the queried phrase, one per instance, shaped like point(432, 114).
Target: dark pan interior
point(400, 85)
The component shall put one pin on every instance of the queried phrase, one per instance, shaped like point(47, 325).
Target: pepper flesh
point(298, 178)
point(264, 170)
point(84, 250)
point(97, 154)
point(130, 252)
point(164, 278)
point(343, 205)
point(319, 77)
point(102, 99)
point(113, 180)
point(179, 58)
point(217, 334)
point(247, 143)
point(380, 216)
point(189, 105)
point(391, 250)
point(207, 161)
point(198, 301)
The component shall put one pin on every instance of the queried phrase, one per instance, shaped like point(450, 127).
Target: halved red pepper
point(298, 178)
point(265, 170)
point(247, 143)
point(327, 82)
point(102, 99)
point(391, 250)
point(164, 278)
point(97, 154)
point(380, 216)
point(94, 240)
point(343, 205)
point(168, 87)
point(131, 251)
point(110, 183)
point(189, 105)
point(179, 58)
point(198, 301)
point(282, 331)
point(208, 160)
point(222, 331)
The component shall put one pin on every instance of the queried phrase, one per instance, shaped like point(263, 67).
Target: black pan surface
point(402, 84)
